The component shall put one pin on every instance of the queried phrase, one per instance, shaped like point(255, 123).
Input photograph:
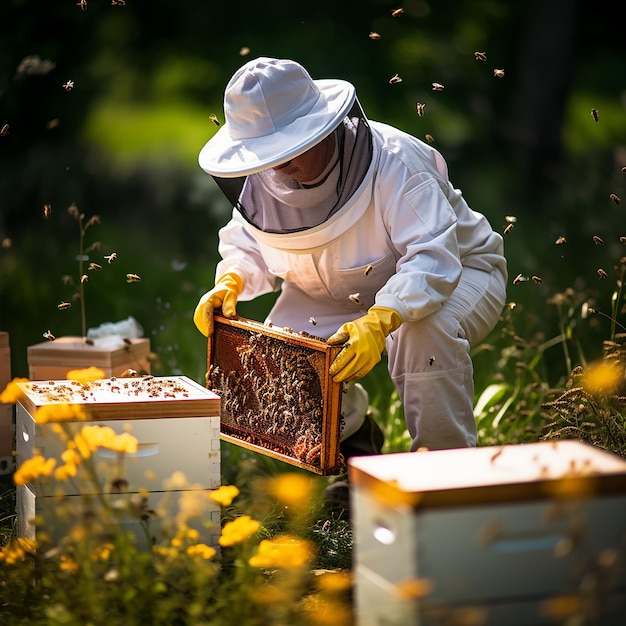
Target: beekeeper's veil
point(275, 112)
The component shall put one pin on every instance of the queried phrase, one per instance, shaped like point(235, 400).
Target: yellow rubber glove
point(365, 339)
point(224, 295)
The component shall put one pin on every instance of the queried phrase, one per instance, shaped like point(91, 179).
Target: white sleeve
point(422, 225)
point(241, 254)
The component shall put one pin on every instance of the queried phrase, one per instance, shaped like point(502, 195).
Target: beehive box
point(52, 360)
point(176, 423)
point(7, 427)
point(515, 535)
point(277, 396)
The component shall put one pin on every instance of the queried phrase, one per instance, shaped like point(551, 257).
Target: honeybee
point(431, 360)
point(510, 219)
point(429, 138)
point(615, 198)
point(49, 336)
point(520, 278)
point(598, 240)
point(394, 80)
point(623, 240)
point(420, 109)
point(509, 228)
point(594, 115)
point(214, 119)
point(559, 240)
point(84, 278)
point(537, 279)
point(4, 130)
point(498, 73)
point(368, 270)
point(480, 56)
point(354, 297)
point(82, 4)
point(374, 35)
point(47, 210)
point(397, 12)
point(602, 274)
point(313, 321)
point(63, 305)
point(438, 87)
point(69, 85)
point(512, 306)
point(95, 266)
point(132, 278)
point(244, 51)
point(110, 257)
point(118, 3)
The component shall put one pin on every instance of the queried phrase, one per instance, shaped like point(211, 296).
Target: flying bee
point(4, 131)
point(431, 360)
point(82, 4)
point(64, 305)
point(510, 219)
point(313, 321)
point(520, 278)
point(95, 266)
point(480, 56)
point(84, 278)
point(512, 306)
point(420, 109)
point(244, 51)
point(594, 114)
point(354, 297)
point(394, 80)
point(110, 257)
point(537, 279)
point(438, 87)
point(429, 138)
point(598, 240)
point(47, 210)
point(397, 12)
point(560, 240)
point(615, 198)
point(602, 274)
point(69, 85)
point(374, 36)
point(132, 278)
point(368, 270)
point(49, 336)
point(623, 240)
point(214, 119)
point(509, 228)
point(498, 73)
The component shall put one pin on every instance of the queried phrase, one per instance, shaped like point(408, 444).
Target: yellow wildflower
point(61, 412)
point(65, 472)
point(16, 550)
point(67, 564)
point(224, 495)
point(283, 551)
point(326, 611)
point(85, 375)
point(334, 581)
point(33, 468)
point(603, 378)
point(12, 393)
point(291, 489)
point(239, 529)
point(201, 550)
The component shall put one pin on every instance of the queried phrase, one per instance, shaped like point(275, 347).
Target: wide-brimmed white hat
point(274, 112)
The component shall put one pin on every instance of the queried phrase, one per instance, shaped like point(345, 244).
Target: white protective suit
point(436, 262)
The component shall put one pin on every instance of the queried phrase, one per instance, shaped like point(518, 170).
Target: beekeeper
point(359, 227)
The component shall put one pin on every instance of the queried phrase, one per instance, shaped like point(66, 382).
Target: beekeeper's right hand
point(223, 295)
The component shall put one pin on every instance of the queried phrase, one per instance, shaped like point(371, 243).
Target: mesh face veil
point(276, 203)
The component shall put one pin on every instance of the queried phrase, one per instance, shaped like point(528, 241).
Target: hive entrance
point(276, 395)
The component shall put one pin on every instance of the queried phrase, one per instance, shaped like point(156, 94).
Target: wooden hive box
point(496, 535)
point(51, 360)
point(7, 427)
point(277, 396)
point(175, 420)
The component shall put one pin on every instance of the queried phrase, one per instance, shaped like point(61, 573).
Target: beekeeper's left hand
point(364, 340)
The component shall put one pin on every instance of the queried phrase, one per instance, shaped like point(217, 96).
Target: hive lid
point(123, 398)
point(564, 468)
